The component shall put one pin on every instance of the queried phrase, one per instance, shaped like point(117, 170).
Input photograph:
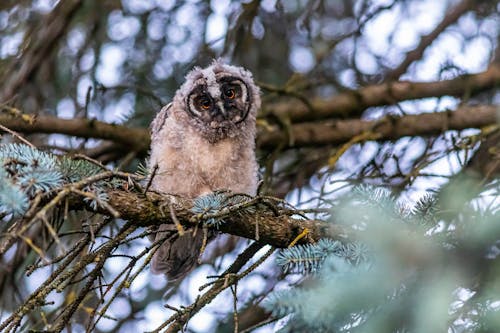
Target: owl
point(203, 141)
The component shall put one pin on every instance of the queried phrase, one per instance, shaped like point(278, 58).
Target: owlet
point(203, 141)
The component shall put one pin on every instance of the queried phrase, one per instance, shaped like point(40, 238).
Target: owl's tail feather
point(178, 255)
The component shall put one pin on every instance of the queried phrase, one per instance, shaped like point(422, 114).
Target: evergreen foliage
point(213, 203)
point(12, 197)
point(142, 170)
point(26, 171)
point(411, 279)
point(76, 170)
point(308, 258)
point(210, 204)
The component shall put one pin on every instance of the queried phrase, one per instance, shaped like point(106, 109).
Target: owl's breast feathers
point(190, 166)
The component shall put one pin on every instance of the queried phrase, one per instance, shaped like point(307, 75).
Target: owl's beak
point(222, 110)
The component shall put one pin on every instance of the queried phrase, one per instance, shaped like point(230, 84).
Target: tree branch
point(353, 103)
point(299, 135)
point(277, 227)
point(389, 128)
point(227, 279)
point(135, 138)
point(342, 105)
point(425, 41)
point(41, 43)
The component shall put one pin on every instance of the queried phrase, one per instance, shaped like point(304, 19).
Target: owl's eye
point(205, 103)
point(230, 93)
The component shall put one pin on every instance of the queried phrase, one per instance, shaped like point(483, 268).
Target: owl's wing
point(159, 120)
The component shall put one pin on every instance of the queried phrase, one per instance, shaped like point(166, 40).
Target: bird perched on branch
point(203, 141)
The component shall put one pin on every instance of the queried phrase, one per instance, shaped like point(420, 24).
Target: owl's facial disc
point(221, 102)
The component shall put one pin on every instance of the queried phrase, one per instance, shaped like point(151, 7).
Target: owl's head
point(220, 100)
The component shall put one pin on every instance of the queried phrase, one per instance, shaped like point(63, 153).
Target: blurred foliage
point(421, 276)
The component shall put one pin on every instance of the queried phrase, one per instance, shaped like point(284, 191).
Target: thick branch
point(135, 138)
point(305, 134)
point(339, 131)
point(353, 103)
point(276, 230)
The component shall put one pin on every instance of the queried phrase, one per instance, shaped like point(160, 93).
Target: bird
point(203, 142)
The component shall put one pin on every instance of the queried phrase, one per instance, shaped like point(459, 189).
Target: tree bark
point(330, 132)
point(276, 227)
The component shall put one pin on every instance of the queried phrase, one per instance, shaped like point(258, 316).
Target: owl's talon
point(299, 237)
point(178, 225)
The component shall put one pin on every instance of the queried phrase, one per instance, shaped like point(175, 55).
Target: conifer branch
point(353, 103)
point(426, 40)
point(134, 138)
point(330, 132)
point(229, 278)
point(389, 128)
point(277, 227)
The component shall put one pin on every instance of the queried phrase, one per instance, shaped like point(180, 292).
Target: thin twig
point(17, 135)
point(177, 320)
point(234, 291)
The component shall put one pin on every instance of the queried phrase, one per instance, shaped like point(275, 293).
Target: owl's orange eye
point(205, 103)
point(230, 93)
